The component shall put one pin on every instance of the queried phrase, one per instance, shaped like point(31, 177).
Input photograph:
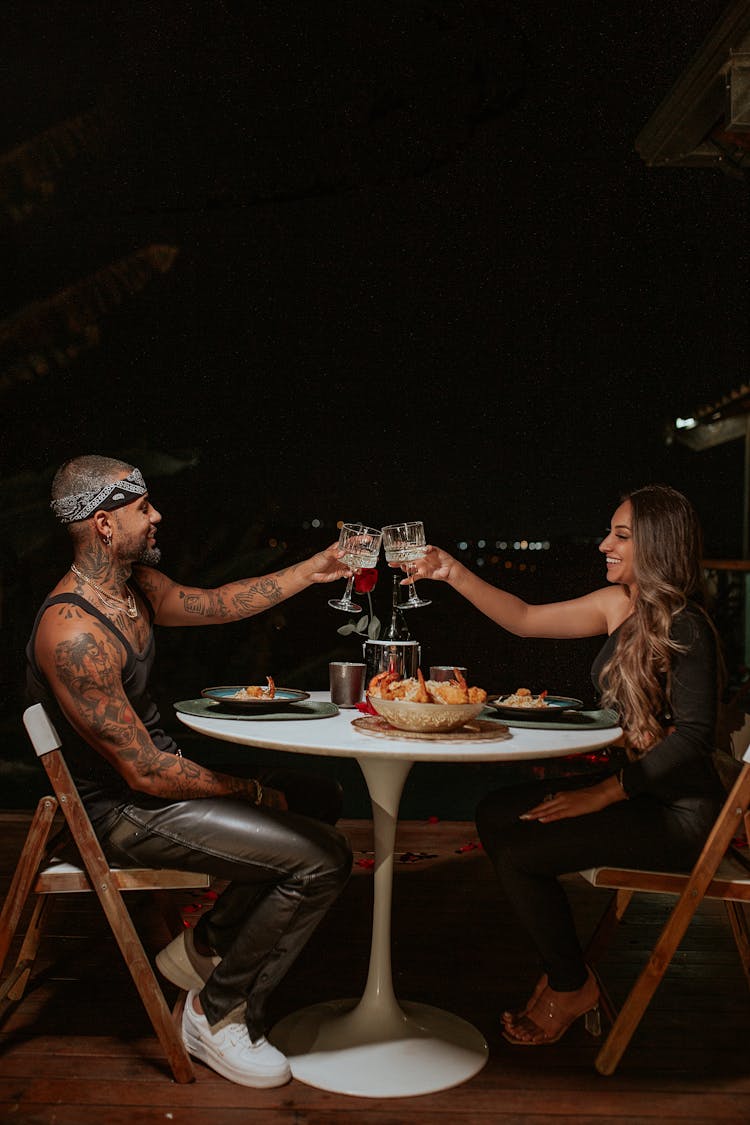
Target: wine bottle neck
point(397, 630)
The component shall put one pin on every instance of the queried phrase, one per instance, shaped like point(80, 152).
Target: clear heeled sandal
point(591, 1017)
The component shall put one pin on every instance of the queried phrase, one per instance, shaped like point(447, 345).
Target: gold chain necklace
point(109, 600)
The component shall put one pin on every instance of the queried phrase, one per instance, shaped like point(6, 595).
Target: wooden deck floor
point(79, 1049)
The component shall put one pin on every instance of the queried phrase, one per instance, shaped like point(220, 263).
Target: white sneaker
point(181, 963)
point(228, 1049)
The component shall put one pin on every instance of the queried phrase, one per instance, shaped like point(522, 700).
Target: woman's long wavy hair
point(667, 554)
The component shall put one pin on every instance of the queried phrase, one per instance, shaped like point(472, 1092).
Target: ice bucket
point(401, 657)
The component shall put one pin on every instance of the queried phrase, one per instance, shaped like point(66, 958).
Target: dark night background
point(421, 272)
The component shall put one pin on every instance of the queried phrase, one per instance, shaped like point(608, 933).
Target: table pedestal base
point(339, 1046)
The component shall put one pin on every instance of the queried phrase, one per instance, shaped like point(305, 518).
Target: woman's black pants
point(529, 856)
point(284, 869)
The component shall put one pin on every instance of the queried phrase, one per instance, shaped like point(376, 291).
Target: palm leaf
point(29, 172)
point(51, 333)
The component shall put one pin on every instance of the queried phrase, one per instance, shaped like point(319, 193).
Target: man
point(89, 660)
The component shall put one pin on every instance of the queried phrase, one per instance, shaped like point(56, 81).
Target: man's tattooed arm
point(83, 668)
point(175, 604)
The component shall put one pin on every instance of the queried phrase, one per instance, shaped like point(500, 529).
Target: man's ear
point(103, 526)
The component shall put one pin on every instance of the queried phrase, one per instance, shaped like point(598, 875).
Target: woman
point(658, 669)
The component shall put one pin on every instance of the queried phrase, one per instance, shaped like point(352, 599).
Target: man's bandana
point(81, 505)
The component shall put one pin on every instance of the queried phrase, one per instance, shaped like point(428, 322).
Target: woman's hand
point(576, 802)
point(435, 564)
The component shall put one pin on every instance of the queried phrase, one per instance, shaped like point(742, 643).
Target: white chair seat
point(732, 874)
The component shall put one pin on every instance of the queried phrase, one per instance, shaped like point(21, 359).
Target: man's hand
point(327, 566)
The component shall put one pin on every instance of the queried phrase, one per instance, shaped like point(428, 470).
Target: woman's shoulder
point(615, 604)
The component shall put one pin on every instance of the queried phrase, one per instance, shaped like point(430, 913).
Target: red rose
point(366, 580)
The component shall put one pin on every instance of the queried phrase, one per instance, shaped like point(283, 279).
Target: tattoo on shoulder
point(68, 612)
point(88, 666)
point(85, 658)
point(262, 593)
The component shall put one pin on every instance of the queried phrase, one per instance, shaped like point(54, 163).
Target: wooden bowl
point(425, 717)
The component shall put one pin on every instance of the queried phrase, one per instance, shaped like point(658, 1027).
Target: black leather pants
point(284, 869)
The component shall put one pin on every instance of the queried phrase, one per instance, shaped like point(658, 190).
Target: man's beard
point(149, 556)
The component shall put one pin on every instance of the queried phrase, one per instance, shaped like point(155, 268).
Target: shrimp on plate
point(255, 692)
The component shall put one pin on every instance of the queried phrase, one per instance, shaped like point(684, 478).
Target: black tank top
point(101, 787)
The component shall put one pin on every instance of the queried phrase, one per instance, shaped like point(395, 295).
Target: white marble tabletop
point(336, 737)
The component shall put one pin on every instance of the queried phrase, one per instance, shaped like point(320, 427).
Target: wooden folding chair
point(721, 872)
point(39, 873)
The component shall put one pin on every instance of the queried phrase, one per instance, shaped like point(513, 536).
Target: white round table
point(375, 1045)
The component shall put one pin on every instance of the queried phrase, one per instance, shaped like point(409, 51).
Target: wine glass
point(361, 547)
point(404, 543)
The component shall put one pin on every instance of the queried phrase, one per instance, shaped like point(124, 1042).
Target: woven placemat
point(478, 730)
point(209, 708)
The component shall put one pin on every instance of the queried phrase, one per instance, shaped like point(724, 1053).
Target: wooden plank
point(570, 1100)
